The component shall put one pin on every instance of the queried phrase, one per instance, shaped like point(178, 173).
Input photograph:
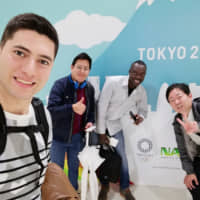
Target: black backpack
point(42, 127)
point(109, 170)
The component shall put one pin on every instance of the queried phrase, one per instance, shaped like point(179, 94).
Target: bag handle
point(88, 131)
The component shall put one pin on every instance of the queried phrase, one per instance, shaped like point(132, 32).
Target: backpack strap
point(41, 119)
point(3, 132)
point(29, 130)
point(42, 127)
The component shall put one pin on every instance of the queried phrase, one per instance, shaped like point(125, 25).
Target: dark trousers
point(196, 192)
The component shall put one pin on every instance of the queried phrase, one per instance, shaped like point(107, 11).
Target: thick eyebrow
point(22, 47)
point(27, 50)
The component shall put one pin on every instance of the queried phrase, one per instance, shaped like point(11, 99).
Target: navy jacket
point(62, 96)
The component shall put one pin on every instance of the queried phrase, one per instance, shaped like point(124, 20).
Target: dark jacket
point(62, 96)
point(186, 160)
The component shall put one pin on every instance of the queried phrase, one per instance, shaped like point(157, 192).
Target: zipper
point(86, 113)
point(72, 121)
point(87, 104)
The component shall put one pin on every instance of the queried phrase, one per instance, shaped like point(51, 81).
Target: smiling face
point(80, 70)
point(137, 73)
point(180, 101)
point(26, 60)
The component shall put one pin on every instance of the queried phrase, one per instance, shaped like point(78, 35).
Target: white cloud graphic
point(149, 2)
point(140, 2)
point(85, 31)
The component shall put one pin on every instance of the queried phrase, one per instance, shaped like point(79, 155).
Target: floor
point(150, 193)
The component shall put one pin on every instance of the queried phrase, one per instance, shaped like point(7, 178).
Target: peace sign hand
point(189, 126)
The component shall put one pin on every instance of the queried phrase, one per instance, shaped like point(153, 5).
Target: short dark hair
point(181, 86)
point(140, 62)
point(83, 56)
point(33, 22)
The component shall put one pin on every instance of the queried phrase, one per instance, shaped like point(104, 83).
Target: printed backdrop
point(163, 33)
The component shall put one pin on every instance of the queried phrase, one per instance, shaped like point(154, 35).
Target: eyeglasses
point(177, 97)
point(82, 68)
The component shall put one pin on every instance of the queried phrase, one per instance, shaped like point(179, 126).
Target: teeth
point(24, 82)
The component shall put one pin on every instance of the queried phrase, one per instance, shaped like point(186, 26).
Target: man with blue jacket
point(72, 107)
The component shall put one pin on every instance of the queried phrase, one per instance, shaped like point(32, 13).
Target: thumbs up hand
point(79, 107)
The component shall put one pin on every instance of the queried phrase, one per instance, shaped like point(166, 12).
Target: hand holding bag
point(56, 185)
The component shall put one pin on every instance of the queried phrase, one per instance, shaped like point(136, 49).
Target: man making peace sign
point(186, 126)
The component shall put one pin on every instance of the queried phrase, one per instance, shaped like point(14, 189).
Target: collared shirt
point(114, 104)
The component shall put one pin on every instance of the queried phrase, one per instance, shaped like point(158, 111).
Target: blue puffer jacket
point(62, 96)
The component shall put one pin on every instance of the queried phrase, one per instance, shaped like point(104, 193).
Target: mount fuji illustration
point(168, 33)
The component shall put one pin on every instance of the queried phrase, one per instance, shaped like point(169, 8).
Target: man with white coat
point(117, 99)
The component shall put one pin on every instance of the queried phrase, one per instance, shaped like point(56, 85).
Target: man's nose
point(176, 101)
point(138, 77)
point(29, 67)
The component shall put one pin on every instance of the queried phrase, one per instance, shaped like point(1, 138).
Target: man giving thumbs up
point(72, 106)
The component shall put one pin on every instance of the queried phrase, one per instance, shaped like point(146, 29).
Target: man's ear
point(72, 66)
point(190, 95)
